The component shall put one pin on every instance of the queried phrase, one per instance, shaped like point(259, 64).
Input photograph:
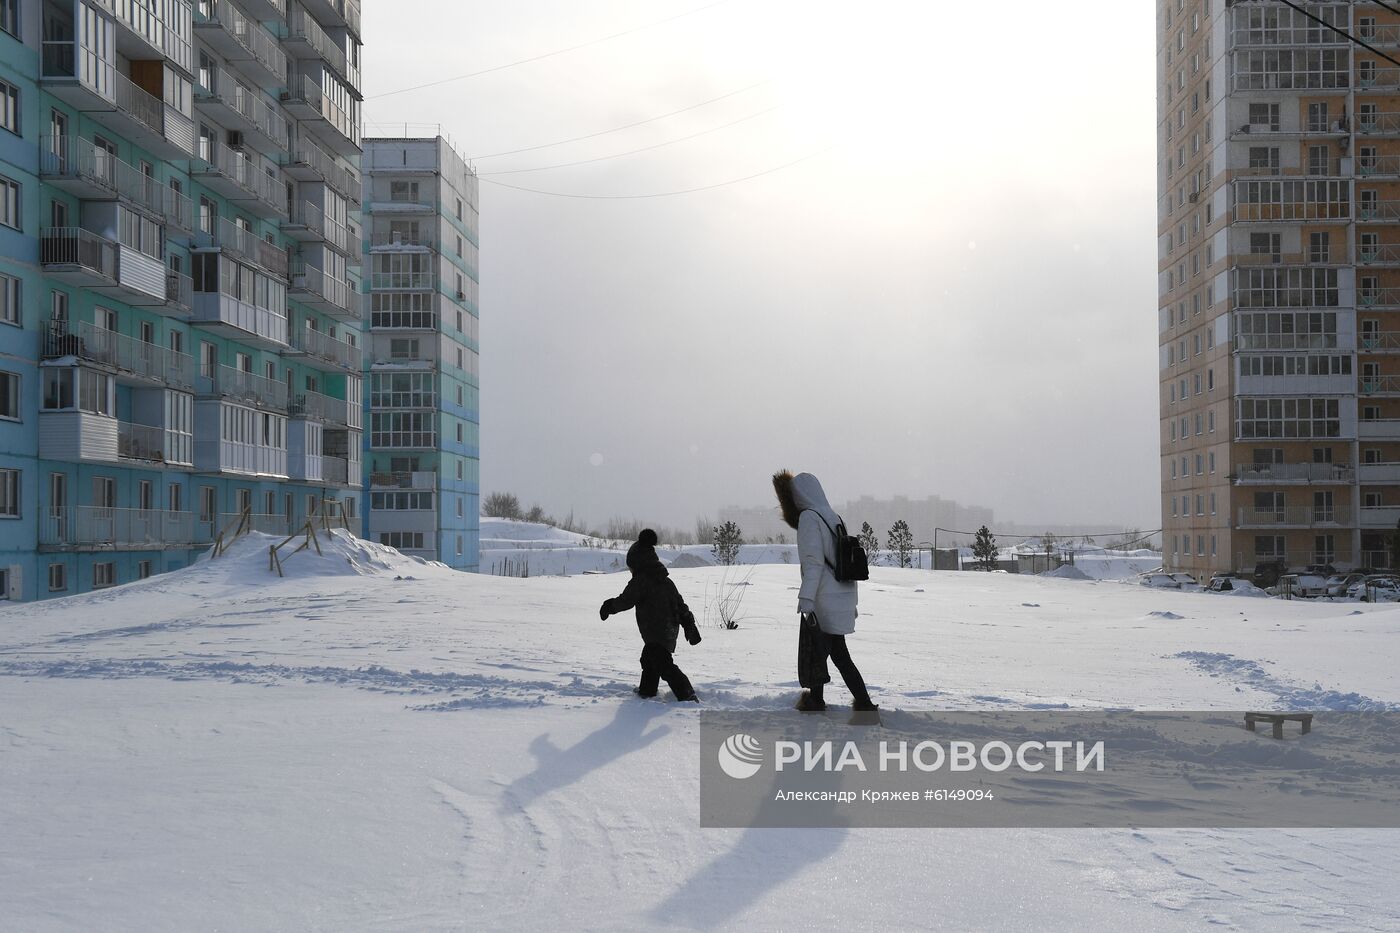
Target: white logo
point(740, 756)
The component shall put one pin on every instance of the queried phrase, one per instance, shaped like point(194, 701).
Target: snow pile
point(688, 560)
point(335, 553)
point(1243, 588)
point(505, 533)
point(1067, 572)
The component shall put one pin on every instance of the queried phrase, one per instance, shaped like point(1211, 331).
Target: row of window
point(1201, 502)
point(411, 540)
point(1204, 464)
point(1185, 431)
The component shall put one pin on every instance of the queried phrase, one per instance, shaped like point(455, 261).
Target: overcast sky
point(955, 296)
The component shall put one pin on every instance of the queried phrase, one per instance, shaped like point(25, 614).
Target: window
point(208, 504)
point(9, 301)
point(143, 569)
point(1319, 246)
point(9, 396)
point(1317, 117)
point(9, 493)
point(104, 575)
point(9, 106)
point(58, 578)
point(9, 17)
point(459, 545)
point(9, 201)
point(1267, 115)
point(402, 540)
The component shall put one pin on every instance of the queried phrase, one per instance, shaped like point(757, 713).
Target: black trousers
point(658, 665)
point(813, 648)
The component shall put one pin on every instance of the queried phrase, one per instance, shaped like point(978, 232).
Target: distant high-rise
point(1279, 264)
point(423, 368)
point(179, 306)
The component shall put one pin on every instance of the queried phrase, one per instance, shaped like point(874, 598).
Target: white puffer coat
point(834, 602)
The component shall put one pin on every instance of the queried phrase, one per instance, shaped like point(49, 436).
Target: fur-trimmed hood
point(797, 494)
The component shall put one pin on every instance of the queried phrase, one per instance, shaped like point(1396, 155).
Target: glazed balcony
point(244, 244)
point(323, 351)
point(85, 527)
point(243, 42)
point(421, 479)
point(238, 385)
point(237, 177)
point(397, 241)
point(309, 224)
point(314, 287)
point(96, 87)
point(1292, 474)
point(131, 360)
point(403, 281)
point(83, 169)
point(310, 162)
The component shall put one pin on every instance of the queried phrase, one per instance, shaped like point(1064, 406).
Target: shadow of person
point(557, 768)
point(776, 845)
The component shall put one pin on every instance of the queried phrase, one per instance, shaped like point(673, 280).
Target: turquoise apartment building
point(180, 303)
point(422, 353)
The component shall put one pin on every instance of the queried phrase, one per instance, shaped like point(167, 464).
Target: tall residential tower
point(423, 368)
point(1279, 284)
point(179, 306)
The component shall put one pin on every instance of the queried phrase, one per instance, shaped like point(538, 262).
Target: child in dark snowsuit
point(661, 612)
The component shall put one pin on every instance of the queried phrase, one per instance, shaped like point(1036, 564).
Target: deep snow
point(386, 744)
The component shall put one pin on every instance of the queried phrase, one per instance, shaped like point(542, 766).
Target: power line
point(1341, 32)
point(628, 126)
point(662, 194)
point(618, 155)
point(1385, 6)
point(535, 58)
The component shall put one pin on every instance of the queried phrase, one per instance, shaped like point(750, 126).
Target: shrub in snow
point(501, 505)
point(869, 541)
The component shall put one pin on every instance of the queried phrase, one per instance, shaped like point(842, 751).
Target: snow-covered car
point(1163, 581)
point(1339, 583)
point(1305, 585)
point(1380, 588)
point(1222, 583)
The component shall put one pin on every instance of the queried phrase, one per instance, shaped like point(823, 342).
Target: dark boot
point(811, 701)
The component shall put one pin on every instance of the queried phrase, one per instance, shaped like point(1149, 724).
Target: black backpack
point(852, 565)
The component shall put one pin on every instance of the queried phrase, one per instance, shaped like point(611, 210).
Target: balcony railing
point(1377, 124)
point(1378, 342)
point(248, 104)
point(74, 246)
point(232, 238)
point(81, 160)
point(1379, 385)
point(1377, 211)
point(387, 239)
point(1377, 253)
point(311, 217)
point(314, 159)
point(323, 346)
point(1264, 473)
point(1300, 516)
point(120, 352)
point(1377, 297)
point(311, 280)
point(244, 386)
point(319, 407)
point(245, 173)
point(100, 528)
point(139, 105)
point(336, 470)
point(301, 27)
point(257, 42)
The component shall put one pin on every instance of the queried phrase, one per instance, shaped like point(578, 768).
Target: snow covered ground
point(379, 743)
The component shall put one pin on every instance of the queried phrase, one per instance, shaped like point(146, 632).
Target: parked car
point(1267, 573)
point(1305, 585)
point(1222, 583)
point(1381, 588)
point(1339, 583)
point(1159, 580)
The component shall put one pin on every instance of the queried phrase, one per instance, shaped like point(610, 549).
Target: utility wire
point(618, 129)
point(1385, 6)
point(662, 194)
point(1341, 32)
point(535, 58)
point(618, 155)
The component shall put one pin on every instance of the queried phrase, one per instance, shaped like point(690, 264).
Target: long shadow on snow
point(557, 768)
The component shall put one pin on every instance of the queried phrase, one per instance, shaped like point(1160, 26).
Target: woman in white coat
point(827, 605)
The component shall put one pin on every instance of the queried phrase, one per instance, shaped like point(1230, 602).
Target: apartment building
point(422, 362)
point(1279, 315)
point(180, 311)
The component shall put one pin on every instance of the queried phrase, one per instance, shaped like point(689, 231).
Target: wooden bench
point(1278, 719)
